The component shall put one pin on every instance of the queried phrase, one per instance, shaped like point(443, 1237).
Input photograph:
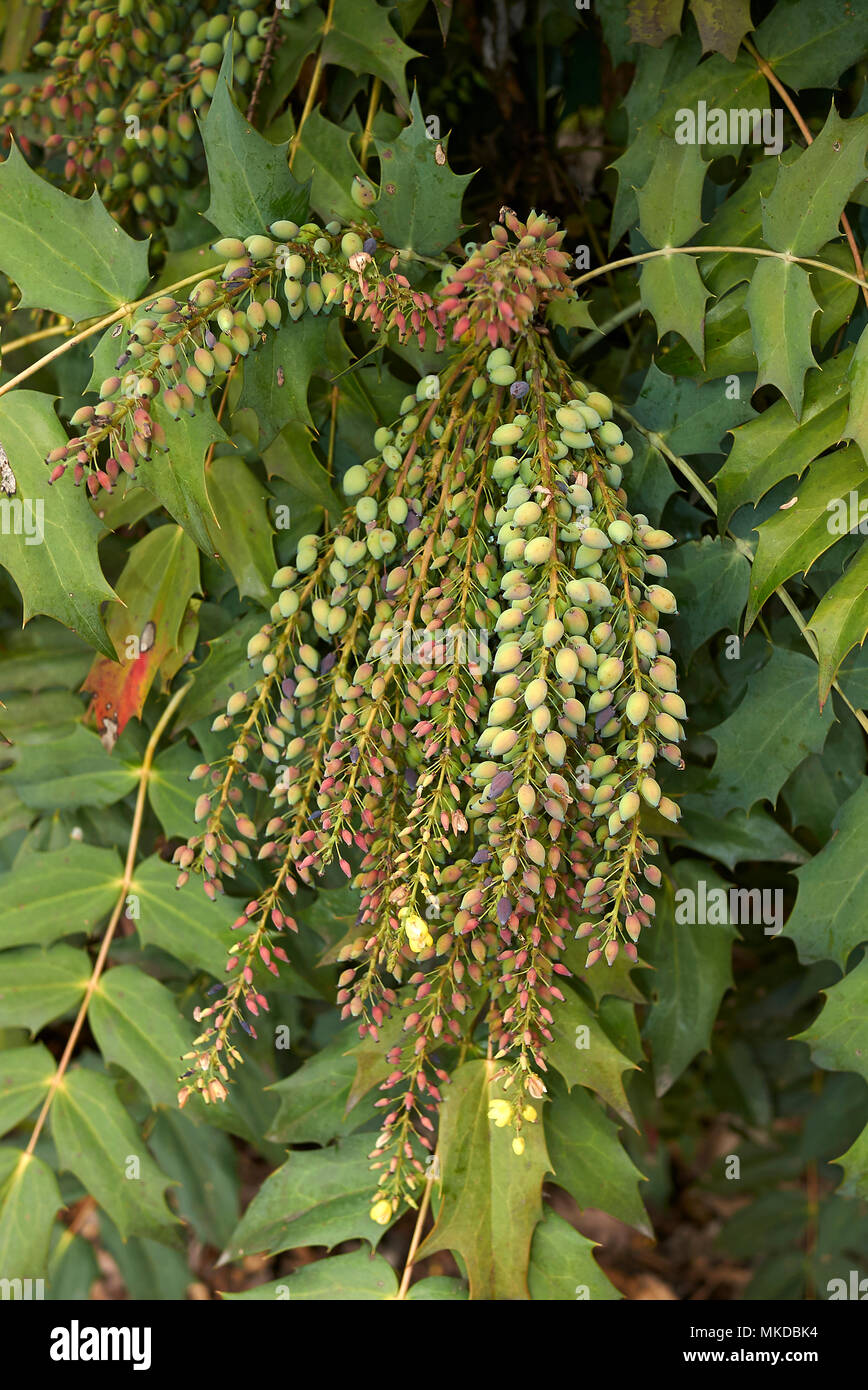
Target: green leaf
point(562, 1264)
point(828, 920)
point(795, 536)
point(324, 155)
point(251, 185)
point(57, 894)
point(64, 254)
point(838, 1037)
point(777, 724)
point(29, 1199)
point(314, 1100)
point(781, 307)
point(840, 620)
point(298, 351)
point(361, 38)
point(857, 415)
point(805, 206)
point(318, 1197)
point(820, 785)
point(176, 475)
point(137, 1025)
point(654, 21)
point(693, 971)
point(419, 207)
point(585, 1055)
point(670, 199)
point(242, 536)
point(171, 794)
point(722, 27)
point(739, 838)
point(96, 1140)
point(491, 1199)
point(855, 1165)
point(204, 1164)
point(60, 574)
point(39, 986)
point(588, 1160)
point(774, 446)
point(355, 1278)
point(24, 1076)
point(185, 924)
point(711, 579)
point(291, 457)
point(224, 670)
point(74, 770)
point(674, 294)
point(690, 418)
point(809, 43)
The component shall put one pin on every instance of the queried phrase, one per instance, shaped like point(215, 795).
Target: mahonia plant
point(122, 84)
point(464, 686)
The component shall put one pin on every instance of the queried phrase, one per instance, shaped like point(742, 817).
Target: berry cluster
point(464, 692)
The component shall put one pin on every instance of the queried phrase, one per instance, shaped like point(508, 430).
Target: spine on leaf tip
point(465, 697)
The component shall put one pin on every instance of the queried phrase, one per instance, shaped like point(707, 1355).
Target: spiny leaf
point(296, 351)
point(176, 476)
point(794, 536)
point(840, 620)
point(585, 1055)
point(319, 1197)
point(419, 207)
point(781, 307)
point(562, 1264)
point(50, 550)
point(693, 970)
point(249, 178)
point(291, 457)
point(711, 578)
point(185, 924)
point(691, 418)
point(670, 199)
point(857, 375)
point(806, 203)
point(64, 254)
point(776, 725)
point(324, 155)
point(361, 38)
point(491, 1198)
point(96, 1140)
point(58, 894)
point(774, 446)
point(838, 1038)
point(588, 1161)
point(158, 580)
point(828, 920)
point(673, 292)
point(72, 770)
point(654, 21)
point(809, 43)
point(722, 27)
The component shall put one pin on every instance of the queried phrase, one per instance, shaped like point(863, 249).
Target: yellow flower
point(500, 1111)
point(417, 931)
point(518, 1146)
point(529, 1114)
point(381, 1212)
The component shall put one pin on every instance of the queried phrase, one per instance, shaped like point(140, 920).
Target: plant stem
point(376, 88)
point(708, 250)
point(796, 114)
point(312, 88)
point(126, 881)
point(106, 323)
